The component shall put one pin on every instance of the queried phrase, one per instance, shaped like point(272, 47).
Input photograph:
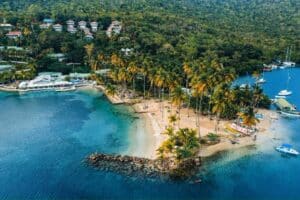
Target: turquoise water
point(44, 138)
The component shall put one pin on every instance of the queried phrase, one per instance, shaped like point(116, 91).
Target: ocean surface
point(45, 137)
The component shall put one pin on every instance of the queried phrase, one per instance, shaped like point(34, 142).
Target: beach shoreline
point(146, 134)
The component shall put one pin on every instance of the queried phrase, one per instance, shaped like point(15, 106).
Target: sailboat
point(288, 62)
point(261, 80)
point(286, 92)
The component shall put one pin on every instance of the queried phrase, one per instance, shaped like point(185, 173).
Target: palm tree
point(172, 119)
point(248, 117)
point(132, 70)
point(111, 90)
point(178, 97)
point(89, 48)
point(221, 98)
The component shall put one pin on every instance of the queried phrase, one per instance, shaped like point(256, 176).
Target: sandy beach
point(156, 120)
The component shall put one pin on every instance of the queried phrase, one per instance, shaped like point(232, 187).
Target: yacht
point(287, 149)
point(261, 81)
point(289, 64)
point(285, 93)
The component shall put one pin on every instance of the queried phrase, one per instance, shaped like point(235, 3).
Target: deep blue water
point(44, 138)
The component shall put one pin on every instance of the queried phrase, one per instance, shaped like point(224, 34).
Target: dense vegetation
point(243, 34)
point(200, 44)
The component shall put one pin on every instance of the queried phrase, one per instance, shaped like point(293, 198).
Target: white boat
point(241, 129)
point(290, 114)
point(288, 64)
point(280, 97)
point(287, 149)
point(285, 93)
point(261, 81)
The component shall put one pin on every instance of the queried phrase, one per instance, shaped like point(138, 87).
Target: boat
point(285, 93)
point(65, 89)
point(241, 129)
point(260, 81)
point(280, 97)
point(288, 63)
point(290, 114)
point(287, 149)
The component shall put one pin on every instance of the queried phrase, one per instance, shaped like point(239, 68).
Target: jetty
point(143, 167)
point(284, 105)
point(286, 108)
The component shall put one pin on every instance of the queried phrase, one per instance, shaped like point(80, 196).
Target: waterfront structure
point(114, 28)
point(57, 27)
point(14, 34)
point(46, 81)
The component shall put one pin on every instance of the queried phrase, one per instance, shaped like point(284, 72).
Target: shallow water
point(44, 138)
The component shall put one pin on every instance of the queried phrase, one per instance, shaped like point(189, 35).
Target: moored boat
point(290, 114)
point(287, 149)
point(285, 93)
point(261, 81)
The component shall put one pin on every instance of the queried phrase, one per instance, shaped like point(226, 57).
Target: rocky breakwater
point(135, 166)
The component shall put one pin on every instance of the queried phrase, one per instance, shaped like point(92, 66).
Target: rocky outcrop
point(135, 166)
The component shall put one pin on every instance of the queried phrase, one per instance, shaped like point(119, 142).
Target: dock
point(284, 105)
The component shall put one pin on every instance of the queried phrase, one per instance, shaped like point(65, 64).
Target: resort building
point(57, 27)
point(44, 26)
point(114, 28)
point(4, 68)
point(82, 25)
point(89, 36)
point(6, 27)
point(46, 81)
point(48, 21)
point(57, 56)
point(94, 26)
point(14, 34)
point(70, 23)
point(126, 51)
point(71, 29)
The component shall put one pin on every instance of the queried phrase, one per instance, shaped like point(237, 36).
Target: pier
point(284, 105)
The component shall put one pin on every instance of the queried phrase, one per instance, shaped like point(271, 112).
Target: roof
point(56, 55)
point(14, 33)
point(6, 25)
point(5, 67)
point(283, 104)
point(47, 20)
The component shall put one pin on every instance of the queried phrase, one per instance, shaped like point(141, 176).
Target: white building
point(14, 34)
point(82, 25)
point(57, 27)
point(46, 81)
point(6, 27)
point(70, 22)
point(114, 28)
point(44, 26)
point(71, 29)
point(94, 26)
